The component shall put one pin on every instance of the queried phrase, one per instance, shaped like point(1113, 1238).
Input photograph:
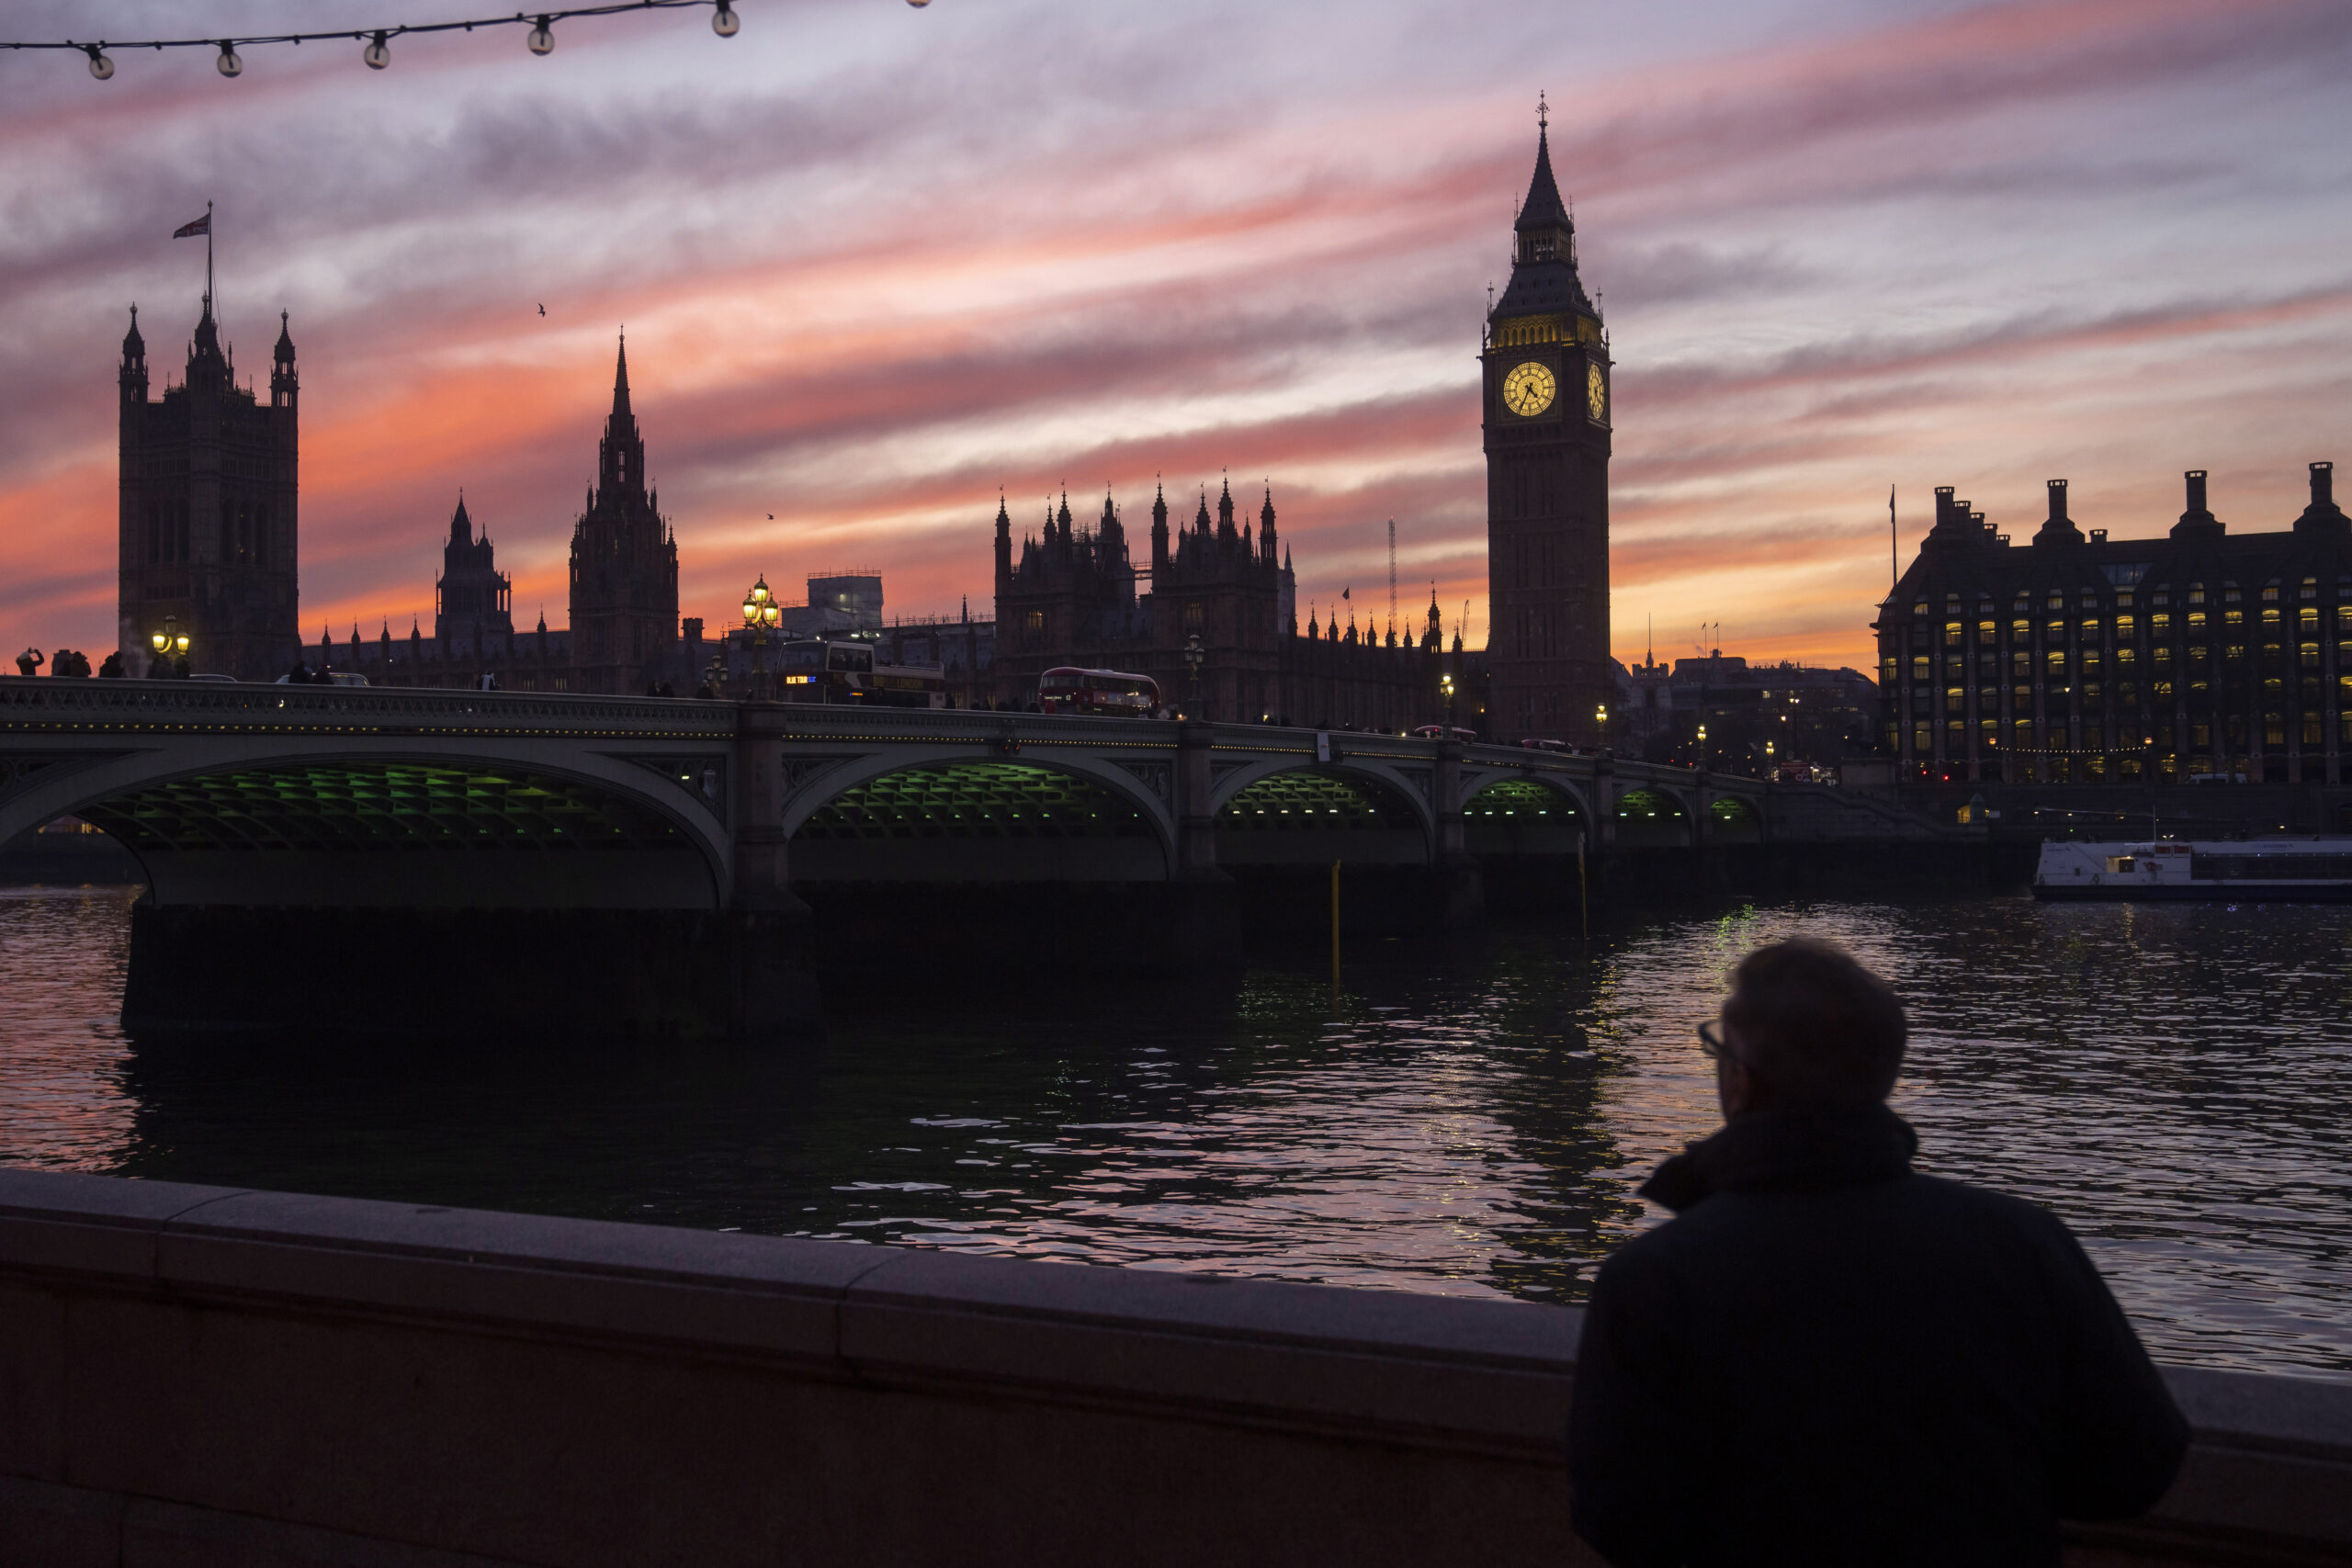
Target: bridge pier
point(1459, 890)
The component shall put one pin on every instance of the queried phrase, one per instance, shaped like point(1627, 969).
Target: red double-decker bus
point(1112, 693)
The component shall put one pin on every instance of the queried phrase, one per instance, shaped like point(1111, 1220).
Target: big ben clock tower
point(1547, 411)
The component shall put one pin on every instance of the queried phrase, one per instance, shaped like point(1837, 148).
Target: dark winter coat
point(1824, 1359)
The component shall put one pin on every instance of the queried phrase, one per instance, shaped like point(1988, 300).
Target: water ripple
point(1470, 1118)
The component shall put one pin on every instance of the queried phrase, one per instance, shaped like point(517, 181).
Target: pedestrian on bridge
point(1825, 1358)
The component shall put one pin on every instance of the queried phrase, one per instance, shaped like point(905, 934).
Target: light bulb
point(726, 23)
point(376, 54)
point(100, 66)
point(229, 63)
point(542, 38)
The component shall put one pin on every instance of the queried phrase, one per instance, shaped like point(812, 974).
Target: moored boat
point(2311, 870)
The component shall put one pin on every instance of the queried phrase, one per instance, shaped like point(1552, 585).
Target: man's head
point(1806, 1025)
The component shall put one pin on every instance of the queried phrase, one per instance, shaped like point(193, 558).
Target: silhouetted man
point(1824, 1359)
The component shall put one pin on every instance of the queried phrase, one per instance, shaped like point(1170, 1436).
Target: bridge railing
point(48, 705)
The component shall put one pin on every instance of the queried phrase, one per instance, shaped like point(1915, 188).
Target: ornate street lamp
point(760, 613)
point(1193, 654)
point(1445, 689)
point(1702, 746)
point(171, 642)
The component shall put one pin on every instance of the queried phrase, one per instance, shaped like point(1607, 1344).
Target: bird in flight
point(543, 309)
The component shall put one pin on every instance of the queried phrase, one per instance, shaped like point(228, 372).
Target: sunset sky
point(877, 262)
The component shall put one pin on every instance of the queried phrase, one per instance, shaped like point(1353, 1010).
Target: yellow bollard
point(1584, 902)
point(1335, 933)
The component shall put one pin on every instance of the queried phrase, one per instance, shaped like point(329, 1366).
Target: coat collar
point(1809, 1150)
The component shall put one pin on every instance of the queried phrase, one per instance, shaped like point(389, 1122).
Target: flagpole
point(1894, 546)
point(208, 260)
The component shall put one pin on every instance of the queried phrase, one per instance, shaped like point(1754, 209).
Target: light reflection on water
point(1472, 1120)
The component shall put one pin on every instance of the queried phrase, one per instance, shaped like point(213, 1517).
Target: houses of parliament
point(1075, 595)
point(209, 549)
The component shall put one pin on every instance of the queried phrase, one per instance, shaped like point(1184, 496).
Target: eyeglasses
point(1711, 1043)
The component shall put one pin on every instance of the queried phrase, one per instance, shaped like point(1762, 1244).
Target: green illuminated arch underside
point(1647, 803)
point(1320, 802)
point(377, 807)
point(1519, 800)
point(976, 800)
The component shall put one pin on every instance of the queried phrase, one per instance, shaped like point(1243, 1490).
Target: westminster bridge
point(655, 851)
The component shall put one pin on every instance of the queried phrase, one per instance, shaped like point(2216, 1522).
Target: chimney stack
point(2196, 478)
point(2323, 485)
point(2058, 500)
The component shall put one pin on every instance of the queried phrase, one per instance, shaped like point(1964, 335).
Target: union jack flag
point(201, 226)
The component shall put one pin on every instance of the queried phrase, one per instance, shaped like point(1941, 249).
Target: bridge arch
point(1522, 813)
point(284, 820)
point(976, 820)
point(1649, 816)
point(1733, 820)
point(1313, 816)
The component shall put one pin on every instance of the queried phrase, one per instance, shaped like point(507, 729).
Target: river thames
point(1470, 1117)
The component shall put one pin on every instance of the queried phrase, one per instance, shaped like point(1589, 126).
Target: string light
point(376, 50)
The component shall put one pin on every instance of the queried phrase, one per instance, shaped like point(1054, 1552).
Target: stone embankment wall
point(203, 1375)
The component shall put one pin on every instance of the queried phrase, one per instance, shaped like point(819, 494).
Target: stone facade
point(2086, 659)
point(623, 566)
point(207, 524)
point(1072, 598)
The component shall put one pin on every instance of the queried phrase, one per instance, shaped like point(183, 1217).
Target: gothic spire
point(1543, 258)
point(1543, 209)
point(620, 385)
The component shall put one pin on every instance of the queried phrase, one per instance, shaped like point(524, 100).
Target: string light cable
point(376, 50)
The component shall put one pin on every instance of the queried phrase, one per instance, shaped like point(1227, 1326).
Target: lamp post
point(714, 675)
point(171, 643)
point(1193, 654)
point(1600, 721)
point(1445, 689)
point(760, 613)
point(1703, 747)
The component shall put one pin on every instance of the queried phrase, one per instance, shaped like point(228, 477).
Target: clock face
point(1528, 390)
point(1596, 391)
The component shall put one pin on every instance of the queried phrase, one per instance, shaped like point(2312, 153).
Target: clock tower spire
point(1546, 358)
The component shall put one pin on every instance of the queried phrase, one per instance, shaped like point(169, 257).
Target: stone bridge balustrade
point(744, 781)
